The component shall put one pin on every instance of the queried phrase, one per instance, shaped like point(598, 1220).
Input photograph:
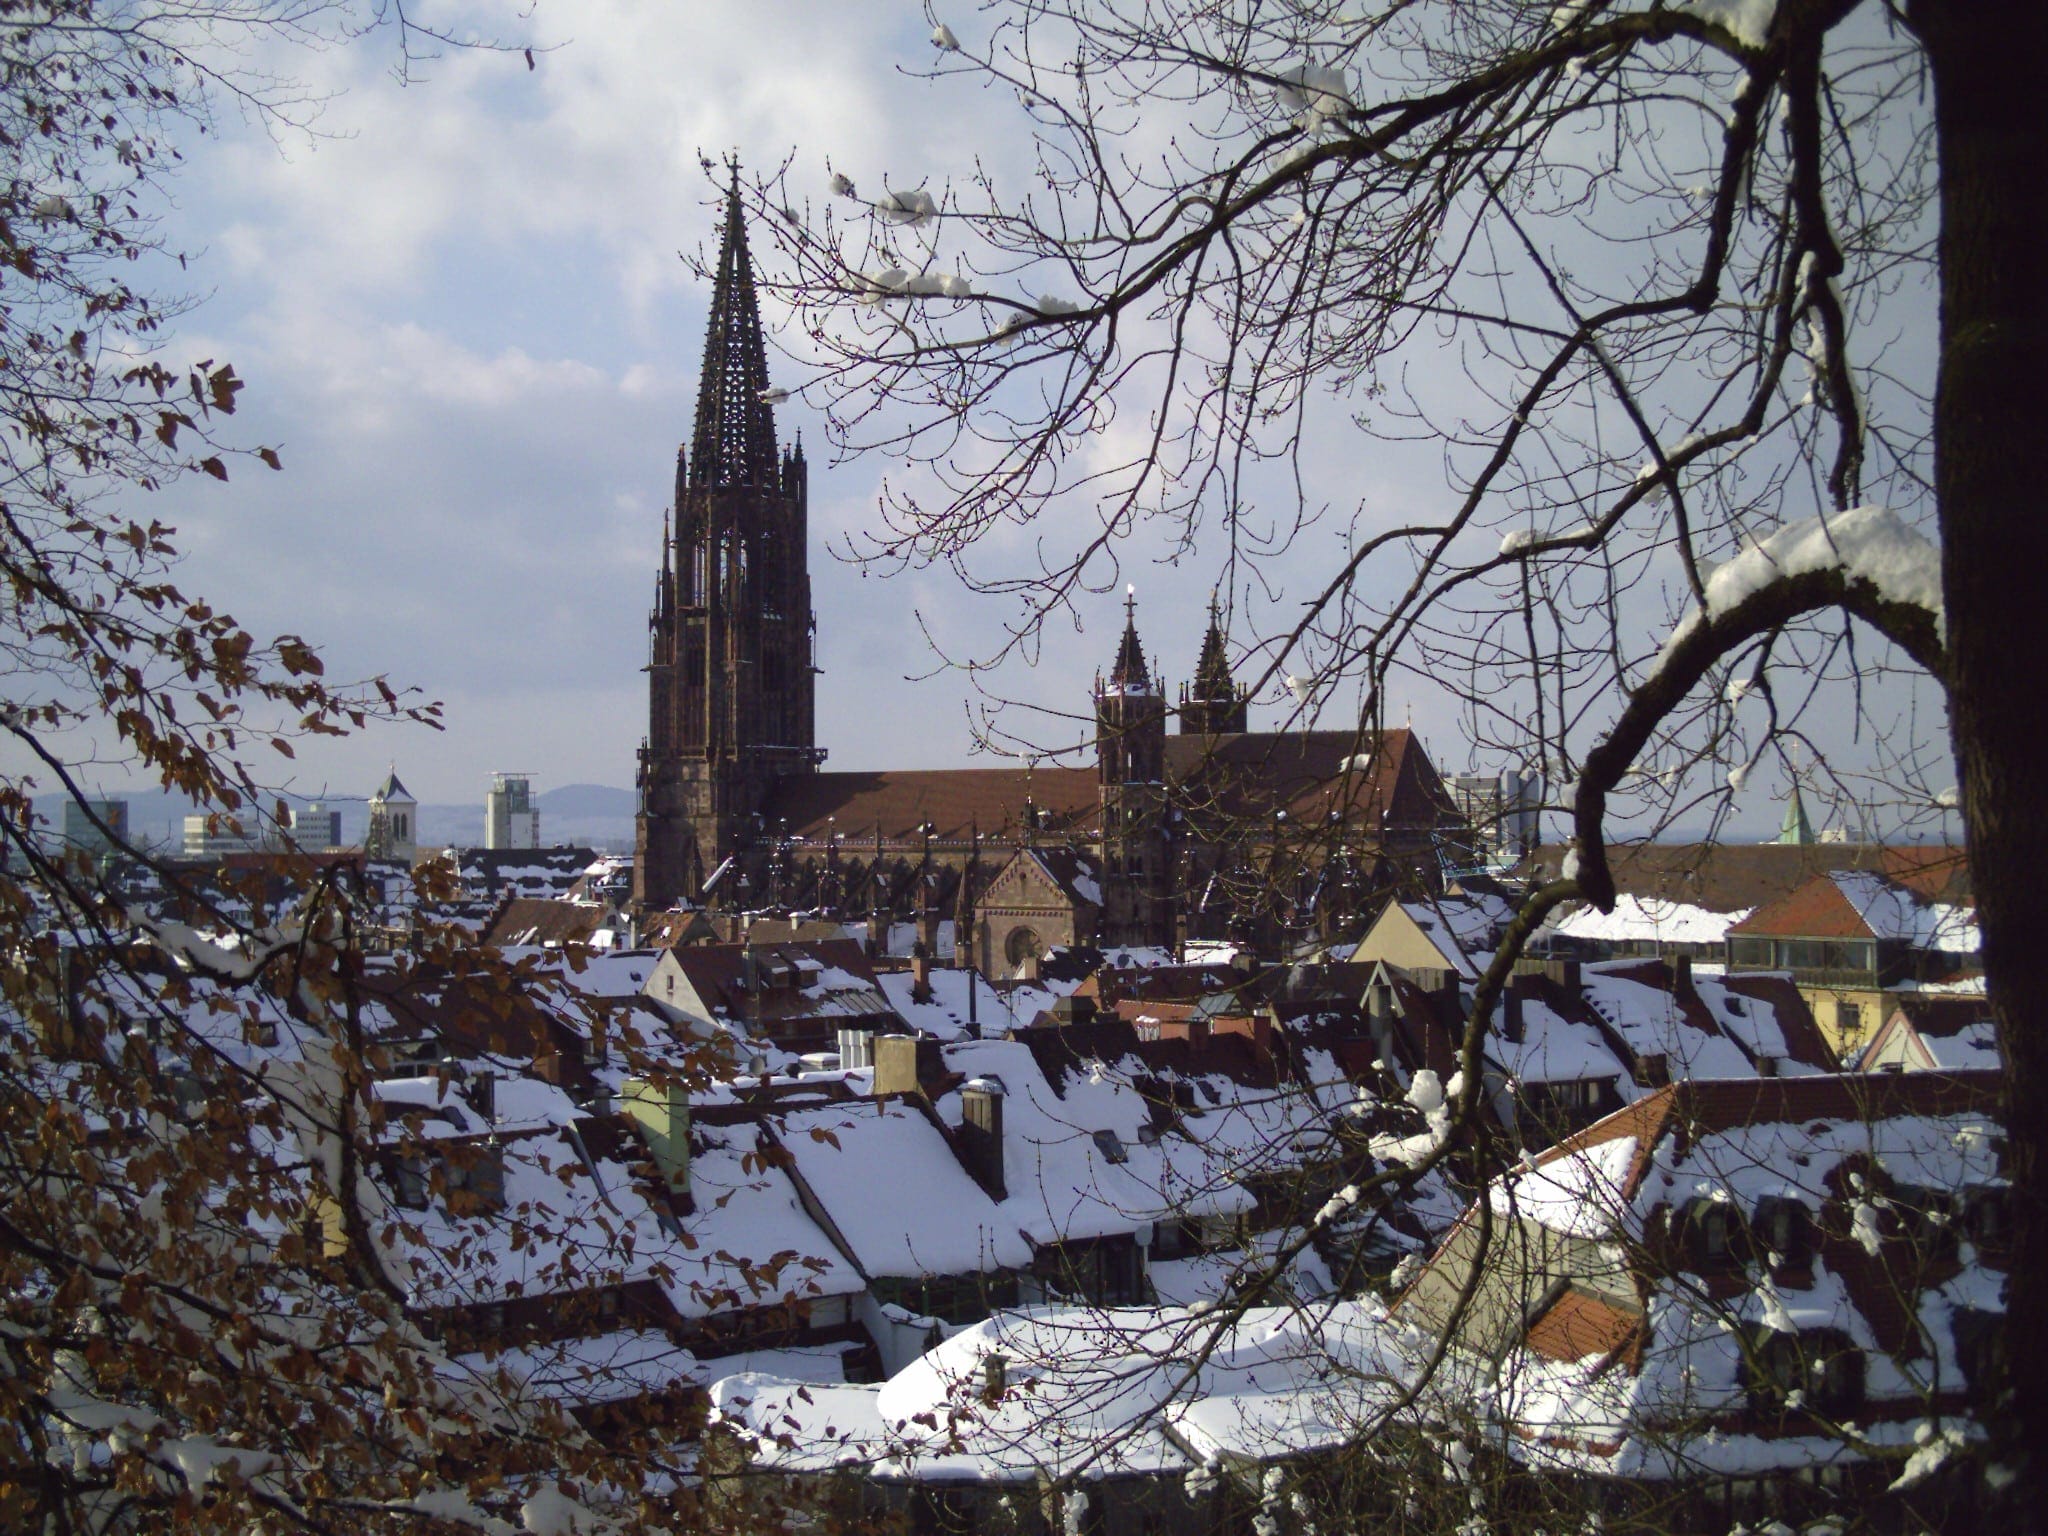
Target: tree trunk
point(1992, 132)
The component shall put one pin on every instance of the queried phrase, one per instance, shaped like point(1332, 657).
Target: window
point(1782, 1227)
point(1980, 1344)
point(1927, 1222)
point(1818, 1371)
point(1709, 1235)
point(1751, 952)
point(1849, 1020)
point(410, 1181)
point(1987, 1215)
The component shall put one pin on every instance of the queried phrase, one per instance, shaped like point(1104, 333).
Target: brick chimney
point(981, 1134)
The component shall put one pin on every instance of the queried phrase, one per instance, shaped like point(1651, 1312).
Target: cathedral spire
point(734, 441)
point(1129, 673)
point(1212, 671)
point(1213, 706)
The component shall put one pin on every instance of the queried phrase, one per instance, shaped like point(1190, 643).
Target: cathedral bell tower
point(1214, 706)
point(730, 694)
point(1130, 757)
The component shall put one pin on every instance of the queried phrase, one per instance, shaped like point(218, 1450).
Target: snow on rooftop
point(749, 1240)
point(935, 1220)
point(1653, 1022)
point(1580, 1196)
point(1649, 919)
point(1088, 1393)
point(1894, 912)
point(997, 1009)
point(1062, 1180)
point(578, 1372)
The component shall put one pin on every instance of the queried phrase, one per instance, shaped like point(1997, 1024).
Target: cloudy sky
point(466, 325)
point(464, 321)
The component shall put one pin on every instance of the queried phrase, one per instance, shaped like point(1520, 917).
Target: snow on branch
point(1865, 562)
point(1870, 544)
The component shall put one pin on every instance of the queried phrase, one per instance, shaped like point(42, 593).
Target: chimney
point(1447, 989)
point(1071, 1009)
point(981, 1134)
point(1568, 977)
point(1379, 1017)
point(1511, 1014)
point(920, 972)
point(660, 1112)
point(878, 935)
point(907, 1064)
point(928, 930)
point(1681, 974)
point(483, 1095)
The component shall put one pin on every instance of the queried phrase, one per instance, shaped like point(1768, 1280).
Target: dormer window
point(1927, 1222)
point(1818, 1370)
point(1709, 1234)
point(1986, 1215)
point(1980, 1345)
point(1782, 1231)
point(409, 1180)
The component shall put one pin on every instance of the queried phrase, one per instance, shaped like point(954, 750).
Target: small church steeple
point(1795, 829)
point(1130, 717)
point(1213, 706)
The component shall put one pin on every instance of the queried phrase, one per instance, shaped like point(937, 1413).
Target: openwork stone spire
point(734, 442)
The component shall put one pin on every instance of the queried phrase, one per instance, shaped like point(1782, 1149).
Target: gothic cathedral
point(730, 682)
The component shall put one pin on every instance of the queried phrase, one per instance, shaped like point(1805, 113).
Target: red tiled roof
point(1816, 910)
point(1236, 776)
point(1580, 1324)
point(956, 801)
point(1729, 877)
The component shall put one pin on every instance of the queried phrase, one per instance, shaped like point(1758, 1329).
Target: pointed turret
point(1129, 673)
point(1130, 763)
point(1213, 706)
point(734, 442)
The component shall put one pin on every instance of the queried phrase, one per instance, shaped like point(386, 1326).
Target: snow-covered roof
point(1088, 1393)
point(996, 1009)
point(1894, 912)
point(1648, 919)
point(1078, 1161)
point(1621, 1359)
point(894, 1192)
